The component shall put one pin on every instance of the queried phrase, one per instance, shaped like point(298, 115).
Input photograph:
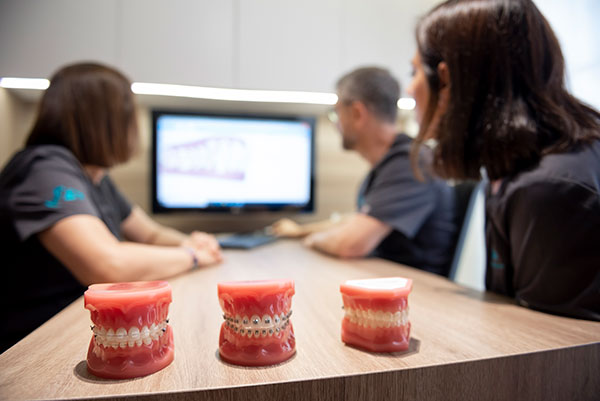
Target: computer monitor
point(232, 163)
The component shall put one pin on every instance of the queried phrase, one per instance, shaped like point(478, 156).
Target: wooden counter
point(465, 344)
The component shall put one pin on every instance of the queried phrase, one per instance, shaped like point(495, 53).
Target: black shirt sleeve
point(119, 201)
point(396, 198)
point(543, 249)
point(51, 190)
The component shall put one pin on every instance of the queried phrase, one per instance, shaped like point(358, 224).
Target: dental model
point(257, 330)
point(376, 316)
point(131, 335)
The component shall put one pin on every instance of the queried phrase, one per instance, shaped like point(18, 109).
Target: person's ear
point(444, 93)
point(358, 111)
point(443, 74)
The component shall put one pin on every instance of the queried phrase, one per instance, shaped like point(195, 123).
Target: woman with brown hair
point(489, 87)
point(63, 223)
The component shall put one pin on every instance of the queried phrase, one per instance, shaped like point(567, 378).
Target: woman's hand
point(205, 246)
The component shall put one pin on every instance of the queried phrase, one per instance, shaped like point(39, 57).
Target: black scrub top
point(543, 235)
point(38, 187)
point(422, 214)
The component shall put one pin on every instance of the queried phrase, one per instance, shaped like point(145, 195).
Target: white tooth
point(255, 321)
point(266, 321)
point(138, 342)
point(121, 334)
point(123, 345)
point(145, 332)
point(110, 334)
point(134, 333)
point(114, 346)
point(147, 340)
point(131, 343)
point(153, 328)
point(102, 331)
point(154, 335)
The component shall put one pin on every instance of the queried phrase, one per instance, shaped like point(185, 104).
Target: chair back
point(466, 194)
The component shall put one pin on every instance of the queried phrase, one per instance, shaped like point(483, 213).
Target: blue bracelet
point(194, 257)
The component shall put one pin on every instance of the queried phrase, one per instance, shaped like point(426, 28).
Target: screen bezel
point(157, 208)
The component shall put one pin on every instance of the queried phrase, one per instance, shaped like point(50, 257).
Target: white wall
point(575, 23)
point(266, 44)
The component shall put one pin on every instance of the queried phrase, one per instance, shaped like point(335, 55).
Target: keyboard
point(246, 240)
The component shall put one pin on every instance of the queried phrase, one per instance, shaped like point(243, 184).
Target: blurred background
point(243, 44)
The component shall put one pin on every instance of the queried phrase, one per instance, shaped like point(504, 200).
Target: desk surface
point(464, 343)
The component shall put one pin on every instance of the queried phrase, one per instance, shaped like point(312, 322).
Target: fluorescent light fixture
point(200, 92)
point(237, 95)
point(406, 103)
point(24, 83)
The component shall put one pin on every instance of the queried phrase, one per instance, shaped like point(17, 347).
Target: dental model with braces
point(257, 329)
point(131, 334)
point(376, 314)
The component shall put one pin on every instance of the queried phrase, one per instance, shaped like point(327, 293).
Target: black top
point(38, 187)
point(543, 235)
point(421, 214)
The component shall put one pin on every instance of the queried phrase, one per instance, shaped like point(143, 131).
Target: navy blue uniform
point(543, 235)
point(40, 186)
point(421, 214)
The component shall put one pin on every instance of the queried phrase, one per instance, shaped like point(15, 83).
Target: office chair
point(466, 195)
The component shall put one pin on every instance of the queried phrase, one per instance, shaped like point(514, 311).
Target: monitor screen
point(236, 163)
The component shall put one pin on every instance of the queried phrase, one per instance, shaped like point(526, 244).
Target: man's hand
point(287, 228)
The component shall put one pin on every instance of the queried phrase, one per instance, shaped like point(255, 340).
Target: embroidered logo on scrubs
point(61, 193)
point(496, 263)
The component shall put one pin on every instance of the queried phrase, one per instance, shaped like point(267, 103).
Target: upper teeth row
point(377, 318)
point(132, 337)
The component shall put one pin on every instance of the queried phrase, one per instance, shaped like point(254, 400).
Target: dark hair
point(508, 105)
point(89, 109)
point(373, 86)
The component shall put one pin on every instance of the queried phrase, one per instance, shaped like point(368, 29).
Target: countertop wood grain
point(464, 344)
